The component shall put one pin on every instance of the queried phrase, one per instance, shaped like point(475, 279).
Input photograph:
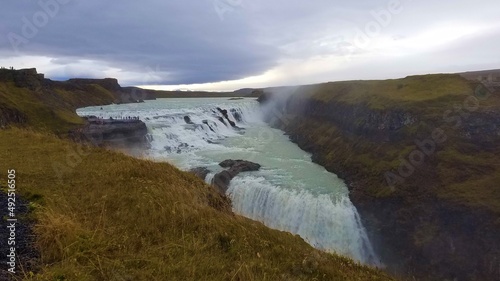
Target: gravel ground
point(27, 255)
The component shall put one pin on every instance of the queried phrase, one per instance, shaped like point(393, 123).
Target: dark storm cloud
point(188, 40)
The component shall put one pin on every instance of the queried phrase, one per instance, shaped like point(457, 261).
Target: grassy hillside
point(247, 92)
point(383, 94)
point(107, 216)
point(53, 108)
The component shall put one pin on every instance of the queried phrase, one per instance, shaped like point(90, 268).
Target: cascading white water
point(330, 224)
point(209, 178)
point(289, 193)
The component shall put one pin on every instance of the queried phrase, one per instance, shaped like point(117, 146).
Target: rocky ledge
point(222, 179)
point(200, 172)
point(121, 133)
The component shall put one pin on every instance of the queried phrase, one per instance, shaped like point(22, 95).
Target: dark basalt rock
point(221, 180)
point(210, 127)
point(188, 120)
point(200, 172)
point(222, 120)
point(110, 84)
point(236, 115)
point(240, 165)
point(11, 116)
point(117, 133)
point(224, 113)
point(29, 78)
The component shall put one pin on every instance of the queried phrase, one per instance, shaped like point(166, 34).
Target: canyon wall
point(420, 157)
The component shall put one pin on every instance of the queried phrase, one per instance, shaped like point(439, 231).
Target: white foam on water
point(209, 178)
point(330, 224)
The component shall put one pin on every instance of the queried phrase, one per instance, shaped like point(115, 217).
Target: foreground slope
point(420, 155)
point(102, 215)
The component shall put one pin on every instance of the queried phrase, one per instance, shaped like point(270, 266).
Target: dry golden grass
point(102, 215)
point(387, 94)
point(409, 89)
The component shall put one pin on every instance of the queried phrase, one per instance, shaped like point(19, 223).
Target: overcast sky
point(231, 44)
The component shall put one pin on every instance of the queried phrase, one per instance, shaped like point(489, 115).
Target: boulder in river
point(200, 172)
point(188, 120)
point(222, 179)
point(240, 165)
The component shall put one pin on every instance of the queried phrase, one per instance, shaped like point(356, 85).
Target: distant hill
point(494, 74)
point(197, 94)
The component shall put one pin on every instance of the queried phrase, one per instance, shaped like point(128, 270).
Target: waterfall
point(289, 193)
point(181, 131)
point(209, 178)
point(330, 224)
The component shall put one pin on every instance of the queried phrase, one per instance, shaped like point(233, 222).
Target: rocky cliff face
point(11, 116)
point(23, 78)
point(115, 133)
point(110, 84)
point(420, 204)
point(122, 94)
